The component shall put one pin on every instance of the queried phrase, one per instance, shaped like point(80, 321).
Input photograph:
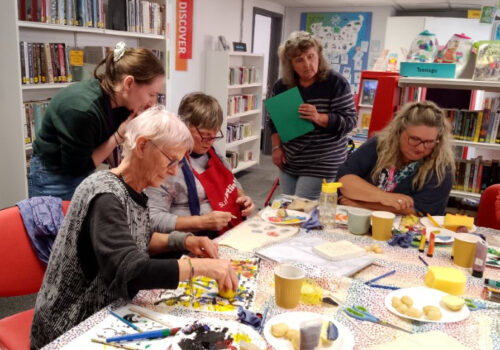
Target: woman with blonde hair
point(86, 121)
point(105, 248)
point(406, 168)
point(328, 103)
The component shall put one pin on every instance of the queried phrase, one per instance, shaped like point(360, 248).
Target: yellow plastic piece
point(330, 187)
point(324, 335)
point(452, 222)
point(452, 302)
point(228, 294)
point(447, 279)
point(311, 293)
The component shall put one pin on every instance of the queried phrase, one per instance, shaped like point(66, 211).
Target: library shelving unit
point(488, 150)
point(217, 84)
point(13, 151)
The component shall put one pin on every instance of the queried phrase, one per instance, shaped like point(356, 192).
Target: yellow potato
point(402, 308)
point(279, 329)
point(452, 302)
point(430, 308)
point(407, 301)
point(228, 294)
point(413, 312)
point(293, 335)
point(434, 315)
point(377, 250)
point(396, 302)
point(368, 248)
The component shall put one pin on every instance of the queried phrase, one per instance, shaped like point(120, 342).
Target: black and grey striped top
point(320, 152)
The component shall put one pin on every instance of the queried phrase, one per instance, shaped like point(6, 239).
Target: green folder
point(284, 112)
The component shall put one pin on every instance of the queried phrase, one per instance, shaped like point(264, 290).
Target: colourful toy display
point(457, 50)
point(424, 48)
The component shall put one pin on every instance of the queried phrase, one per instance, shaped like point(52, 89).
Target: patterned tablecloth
point(481, 330)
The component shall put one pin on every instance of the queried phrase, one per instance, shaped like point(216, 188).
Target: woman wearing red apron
point(205, 197)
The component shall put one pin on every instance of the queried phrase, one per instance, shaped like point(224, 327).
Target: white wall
point(211, 19)
point(379, 17)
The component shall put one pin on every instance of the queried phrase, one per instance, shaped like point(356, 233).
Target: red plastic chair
point(22, 274)
point(273, 188)
point(488, 213)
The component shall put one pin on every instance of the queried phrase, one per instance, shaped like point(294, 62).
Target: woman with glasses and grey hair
point(406, 168)
point(105, 249)
point(205, 197)
point(328, 104)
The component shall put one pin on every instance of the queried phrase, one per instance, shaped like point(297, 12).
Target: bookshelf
point(485, 150)
point(241, 102)
point(13, 151)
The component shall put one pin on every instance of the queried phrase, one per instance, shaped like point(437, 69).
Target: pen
point(128, 323)
point(115, 345)
point(160, 333)
point(382, 286)
point(380, 277)
point(421, 247)
point(430, 248)
point(432, 220)
point(422, 260)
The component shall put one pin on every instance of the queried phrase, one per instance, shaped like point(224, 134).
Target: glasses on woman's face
point(416, 141)
point(171, 162)
point(207, 139)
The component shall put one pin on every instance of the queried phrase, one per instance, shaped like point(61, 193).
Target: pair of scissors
point(360, 313)
point(475, 305)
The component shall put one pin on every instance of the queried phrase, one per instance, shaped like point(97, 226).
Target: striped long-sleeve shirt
point(320, 152)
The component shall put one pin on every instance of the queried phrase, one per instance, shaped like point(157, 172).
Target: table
point(480, 331)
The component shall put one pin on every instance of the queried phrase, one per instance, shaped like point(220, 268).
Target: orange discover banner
point(184, 29)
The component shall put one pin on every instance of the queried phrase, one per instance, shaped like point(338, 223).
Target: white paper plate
point(444, 236)
point(270, 215)
point(234, 327)
point(440, 220)
point(423, 296)
point(345, 341)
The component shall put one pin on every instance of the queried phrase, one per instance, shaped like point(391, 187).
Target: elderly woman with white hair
point(104, 249)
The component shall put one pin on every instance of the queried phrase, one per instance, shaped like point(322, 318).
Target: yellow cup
point(382, 222)
point(464, 249)
point(288, 284)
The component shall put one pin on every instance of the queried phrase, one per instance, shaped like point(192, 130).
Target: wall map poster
point(345, 37)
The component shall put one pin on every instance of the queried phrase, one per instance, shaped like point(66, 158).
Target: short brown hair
point(139, 62)
point(201, 110)
point(297, 43)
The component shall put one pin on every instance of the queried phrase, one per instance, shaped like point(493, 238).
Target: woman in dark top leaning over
point(406, 168)
point(86, 121)
point(103, 249)
point(307, 159)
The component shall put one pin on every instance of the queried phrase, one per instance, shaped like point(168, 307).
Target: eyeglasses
point(171, 162)
point(416, 141)
point(208, 138)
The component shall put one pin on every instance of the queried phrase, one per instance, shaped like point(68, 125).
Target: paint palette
point(204, 295)
point(293, 217)
point(213, 333)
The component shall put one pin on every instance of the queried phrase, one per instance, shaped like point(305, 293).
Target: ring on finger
point(400, 201)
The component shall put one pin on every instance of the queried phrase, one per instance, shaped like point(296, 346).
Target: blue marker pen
point(160, 333)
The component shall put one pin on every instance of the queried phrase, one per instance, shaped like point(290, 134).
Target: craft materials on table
point(159, 333)
point(392, 272)
point(255, 233)
point(339, 250)
point(283, 216)
point(299, 250)
point(292, 321)
point(451, 222)
point(447, 279)
point(361, 313)
point(493, 257)
point(206, 293)
point(422, 297)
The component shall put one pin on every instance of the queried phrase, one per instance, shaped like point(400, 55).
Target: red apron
point(220, 187)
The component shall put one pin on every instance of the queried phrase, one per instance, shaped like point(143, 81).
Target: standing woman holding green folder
point(328, 104)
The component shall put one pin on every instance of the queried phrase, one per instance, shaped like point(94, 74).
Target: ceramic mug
point(382, 222)
point(464, 249)
point(358, 220)
point(288, 284)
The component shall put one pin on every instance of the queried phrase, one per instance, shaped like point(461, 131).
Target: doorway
point(266, 38)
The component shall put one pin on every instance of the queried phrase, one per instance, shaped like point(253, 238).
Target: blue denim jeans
point(44, 182)
point(302, 186)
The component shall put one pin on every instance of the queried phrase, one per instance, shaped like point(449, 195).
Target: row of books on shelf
point(475, 175)
point(238, 131)
point(33, 113)
point(477, 126)
point(58, 63)
point(129, 15)
point(243, 75)
point(234, 158)
point(241, 103)
point(45, 63)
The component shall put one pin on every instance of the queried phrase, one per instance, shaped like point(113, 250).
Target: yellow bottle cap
point(330, 187)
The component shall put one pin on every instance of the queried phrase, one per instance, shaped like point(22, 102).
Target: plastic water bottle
point(328, 204)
